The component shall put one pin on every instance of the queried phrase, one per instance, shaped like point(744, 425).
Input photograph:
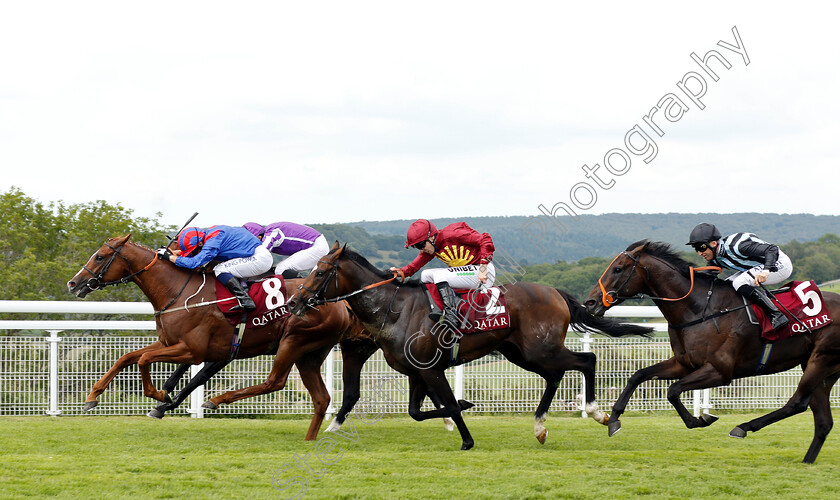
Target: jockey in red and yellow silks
point(467, 253)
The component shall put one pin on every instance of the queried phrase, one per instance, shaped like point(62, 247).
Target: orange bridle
point(611, 297)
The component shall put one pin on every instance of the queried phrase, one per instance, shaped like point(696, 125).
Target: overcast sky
point(321, 112)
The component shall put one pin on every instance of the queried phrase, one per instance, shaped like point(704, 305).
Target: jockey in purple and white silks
point(239, 255)
point(302, 244)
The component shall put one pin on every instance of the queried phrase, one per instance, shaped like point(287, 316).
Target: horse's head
point(107, 266)
point(623, 279)
point(313, 291)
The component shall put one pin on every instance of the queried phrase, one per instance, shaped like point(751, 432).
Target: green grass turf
point(654, 456)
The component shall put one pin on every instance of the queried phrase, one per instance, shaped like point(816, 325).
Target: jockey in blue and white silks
point(302, 245)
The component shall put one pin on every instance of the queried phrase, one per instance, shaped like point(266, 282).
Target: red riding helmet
point(419, 231)
point(189, 239)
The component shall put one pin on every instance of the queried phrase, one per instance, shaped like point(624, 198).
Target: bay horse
point(196, 334)
point(396, 314)
point(714, 340)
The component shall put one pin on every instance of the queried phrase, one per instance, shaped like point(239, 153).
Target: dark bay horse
point(397, 316)
point(714, 340)
point(202, 334)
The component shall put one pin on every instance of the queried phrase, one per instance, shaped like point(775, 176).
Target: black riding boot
point(450, 304)
point(246, 303)
point(756, 296)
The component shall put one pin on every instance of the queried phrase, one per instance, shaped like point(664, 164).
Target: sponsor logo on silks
point(492, 322)
point(269, 316)
point(455, 256)
point(812, 323)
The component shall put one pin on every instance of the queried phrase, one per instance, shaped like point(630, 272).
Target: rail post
point(196, 396)
point(585, 346)
point(459, 382)
point(53, 341)
point(330, 377)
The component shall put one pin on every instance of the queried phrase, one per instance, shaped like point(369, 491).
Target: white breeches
point(246, 267)
point(459, 277)
point(784, 268)
point(305, 259)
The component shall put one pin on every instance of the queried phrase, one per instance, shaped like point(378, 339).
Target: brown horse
point(196, 334)
point(397, 316)
point(714, 340)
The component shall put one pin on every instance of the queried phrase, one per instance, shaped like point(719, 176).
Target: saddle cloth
point(269, 295)
point(804, 300)
point(478, 310)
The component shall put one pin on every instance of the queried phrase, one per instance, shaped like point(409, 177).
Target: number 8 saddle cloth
point(269, 295)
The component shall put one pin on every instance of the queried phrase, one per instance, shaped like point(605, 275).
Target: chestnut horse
point(714, 340)
point(397, 316)
point(196, 334)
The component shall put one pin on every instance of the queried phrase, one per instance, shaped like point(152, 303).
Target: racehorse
point(196, 334)
point(397, 316)
point(714, 340)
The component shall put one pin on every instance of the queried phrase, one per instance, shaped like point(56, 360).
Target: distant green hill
point(539, 239)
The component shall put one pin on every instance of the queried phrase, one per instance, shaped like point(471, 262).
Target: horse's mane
point(362, 261)
point(663, 251)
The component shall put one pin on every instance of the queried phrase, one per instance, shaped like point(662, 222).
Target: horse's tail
point(582, 321)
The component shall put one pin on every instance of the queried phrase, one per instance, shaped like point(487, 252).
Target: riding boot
point(756, 296)
point(246, 303)
point(450, 304)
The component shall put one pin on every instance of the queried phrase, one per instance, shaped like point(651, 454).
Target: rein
point(318, 299)
point(96, 282)
point(611, 297)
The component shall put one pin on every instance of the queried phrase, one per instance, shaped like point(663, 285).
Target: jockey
point(303, 245)
point(238, 252)
point(755, 260)
point(467, 252)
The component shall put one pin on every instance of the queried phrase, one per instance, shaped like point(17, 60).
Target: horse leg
point(437, 383)
point(667, 370)
point(309, 368)
point(177, 353)
point(704, 377)
point(813, 376)
point(176, 377)
point(125, 360)
point(823, 422)
point(354, 355)
point(286, 355)
point(205, 374)
point(447, 421)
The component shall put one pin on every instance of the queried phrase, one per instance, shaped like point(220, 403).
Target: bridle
point(612, 297)
point(96, 283)
point(317, 297)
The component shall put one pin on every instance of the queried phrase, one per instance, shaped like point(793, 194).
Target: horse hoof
point(613, 427)
point(209, 405)
point(334, 426)
point(542, 435)
point(708, 419)
point(464, 404)
point(738, 432)
point(89, 405)
point(155, 413)
point(467, 445)
point(166, 397)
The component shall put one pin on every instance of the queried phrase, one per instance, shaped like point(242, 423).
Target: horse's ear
point(641, 248)
point(122, 240)
point(335, 246)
